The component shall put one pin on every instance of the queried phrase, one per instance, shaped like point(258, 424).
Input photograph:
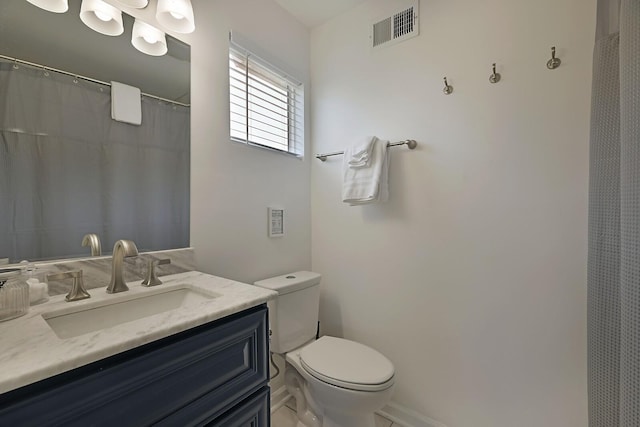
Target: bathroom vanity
point(202, 363)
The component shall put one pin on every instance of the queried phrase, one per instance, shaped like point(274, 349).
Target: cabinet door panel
point(252, 413)
point(224, 360)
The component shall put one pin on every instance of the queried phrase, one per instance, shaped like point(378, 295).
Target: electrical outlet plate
point(276, 221)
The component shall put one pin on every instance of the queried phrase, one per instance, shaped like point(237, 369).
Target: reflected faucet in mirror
point(93, 241)
point(121, 250)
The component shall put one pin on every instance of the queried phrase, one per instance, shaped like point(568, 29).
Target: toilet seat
point(347, 364)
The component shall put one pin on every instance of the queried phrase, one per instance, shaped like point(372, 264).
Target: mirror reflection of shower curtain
point(614, 219)
point(67, 168)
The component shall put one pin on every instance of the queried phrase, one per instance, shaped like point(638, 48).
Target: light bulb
point(101, 17)
point(176, 15)
point(104, 17)
point(138, 4)
point(56, 6)
point(150, 39)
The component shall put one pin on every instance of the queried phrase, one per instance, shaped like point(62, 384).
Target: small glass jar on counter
point(14, 294)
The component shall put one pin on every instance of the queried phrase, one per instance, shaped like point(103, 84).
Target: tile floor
point(286, 417)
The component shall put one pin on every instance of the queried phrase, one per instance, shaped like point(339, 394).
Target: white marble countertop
point(31, 351)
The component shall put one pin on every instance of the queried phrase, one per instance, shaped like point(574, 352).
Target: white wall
point(472, 278)
point(233, 184)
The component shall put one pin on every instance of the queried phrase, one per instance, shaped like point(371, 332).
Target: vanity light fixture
point(56, 6)
point(138, 4)
point(148, 39)
point(176, 15)
point(101, 17)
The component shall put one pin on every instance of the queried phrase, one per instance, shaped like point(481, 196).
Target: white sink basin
point(92, 318)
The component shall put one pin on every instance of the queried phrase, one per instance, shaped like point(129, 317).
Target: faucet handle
point(152, 279)
point(78, 291)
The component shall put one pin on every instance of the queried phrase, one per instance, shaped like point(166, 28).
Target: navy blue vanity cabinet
point(214, 375)
point(254, 411)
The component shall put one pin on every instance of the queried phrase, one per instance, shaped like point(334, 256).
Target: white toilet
point(336, 382)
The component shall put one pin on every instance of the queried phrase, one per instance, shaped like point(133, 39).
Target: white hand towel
point(367, 184)
point(126, 105)
point(360, 156)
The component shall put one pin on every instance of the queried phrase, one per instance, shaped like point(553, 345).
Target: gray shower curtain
point(614, 219)
point(67, 168)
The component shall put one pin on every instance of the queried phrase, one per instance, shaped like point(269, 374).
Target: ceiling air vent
point(398, 27)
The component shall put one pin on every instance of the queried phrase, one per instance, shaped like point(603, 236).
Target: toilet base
point(320, 404)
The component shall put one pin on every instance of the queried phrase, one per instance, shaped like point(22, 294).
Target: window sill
point(270, 149)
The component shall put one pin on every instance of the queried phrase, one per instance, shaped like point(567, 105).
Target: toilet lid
point(347, 364)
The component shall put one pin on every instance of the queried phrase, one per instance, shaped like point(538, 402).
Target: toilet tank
point(293, 316)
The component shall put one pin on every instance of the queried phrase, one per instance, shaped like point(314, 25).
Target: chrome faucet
point(121, 250)
point(93, 241)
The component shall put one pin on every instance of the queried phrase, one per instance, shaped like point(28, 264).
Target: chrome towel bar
point(411, 143)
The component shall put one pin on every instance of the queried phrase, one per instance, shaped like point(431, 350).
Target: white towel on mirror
point(367, 184)
point(126, 105)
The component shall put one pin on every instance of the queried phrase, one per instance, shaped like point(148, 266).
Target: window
point(266, 105)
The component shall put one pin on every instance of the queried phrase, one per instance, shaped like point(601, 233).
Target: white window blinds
point(266, 105)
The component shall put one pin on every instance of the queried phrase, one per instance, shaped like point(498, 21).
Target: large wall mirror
point(67, 169)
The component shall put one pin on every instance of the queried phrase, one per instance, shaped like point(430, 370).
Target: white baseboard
point(394, 412)
point(406, 417)
point(278, 398)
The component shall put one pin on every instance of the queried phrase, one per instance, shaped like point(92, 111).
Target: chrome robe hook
point(448, 90)
point(554, 62)
point(495, 77)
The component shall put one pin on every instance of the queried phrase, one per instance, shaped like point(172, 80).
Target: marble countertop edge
point(30, 351)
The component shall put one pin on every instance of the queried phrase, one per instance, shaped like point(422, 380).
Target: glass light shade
point(56, 6)
point(138, 4)
point(148, 39)
point(176, 15)
point(101, 17)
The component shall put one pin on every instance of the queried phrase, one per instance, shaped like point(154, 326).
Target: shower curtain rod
point(78, 76)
